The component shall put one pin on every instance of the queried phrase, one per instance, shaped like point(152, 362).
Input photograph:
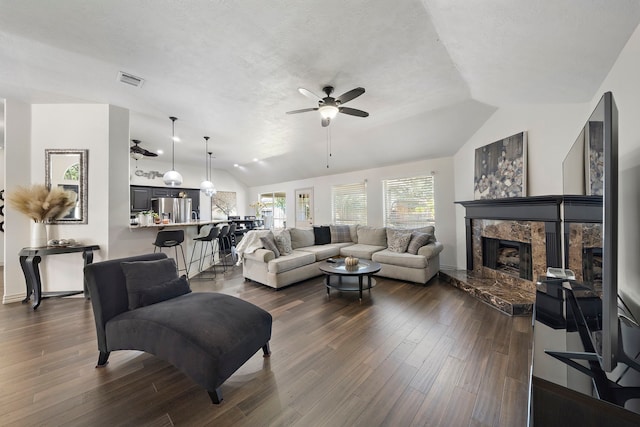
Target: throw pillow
point(142, 275)
point(398, 240)
point(283, 242)
point(269, 243)
point(372, 236)
point(340, 233)
point(302, 237)
point(322, 234)
point(171, 289)
point(418, 240)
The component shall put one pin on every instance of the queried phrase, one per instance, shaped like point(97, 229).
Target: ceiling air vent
point(130, 79)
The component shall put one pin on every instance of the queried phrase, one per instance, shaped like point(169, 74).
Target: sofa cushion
point(141, 275)
point(400, 259)
point(418, 240)
point(269, 243)
point(289, 262)
point(340, 233)
point(353, 230)
point(322, 234)
point(322, 252)
point(360, 250)
point(375, 236)
point(398, 240)
point(301, 237)
point(283, 242)
point(171, 289)
point(429, 229)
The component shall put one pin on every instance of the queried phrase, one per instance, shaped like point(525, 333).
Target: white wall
point(623, 82)
point(441, 168)
point(552, 130)
point(17, 173)
point(74, 126)
point(2, 169)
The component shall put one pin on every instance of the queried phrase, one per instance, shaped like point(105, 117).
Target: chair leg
point(266, 351)
point(103, 359)
point(215, 395)
point(184, 260)
point(193, 252)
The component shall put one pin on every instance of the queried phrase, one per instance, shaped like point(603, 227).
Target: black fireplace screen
point(509, 257)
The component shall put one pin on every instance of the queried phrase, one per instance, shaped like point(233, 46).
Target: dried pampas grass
point(42, 204)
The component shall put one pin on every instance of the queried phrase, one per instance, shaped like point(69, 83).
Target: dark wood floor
point(407, 355)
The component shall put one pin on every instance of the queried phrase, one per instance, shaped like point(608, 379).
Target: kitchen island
point(191, 230)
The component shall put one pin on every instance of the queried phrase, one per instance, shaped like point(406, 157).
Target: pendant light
point(172, 178)
point(206, 186)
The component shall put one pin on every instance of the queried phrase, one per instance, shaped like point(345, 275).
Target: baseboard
point(8, 299)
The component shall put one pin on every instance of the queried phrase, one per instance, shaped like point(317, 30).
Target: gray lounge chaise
point(207, 336)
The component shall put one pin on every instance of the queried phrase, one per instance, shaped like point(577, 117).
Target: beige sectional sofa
point(309, 249)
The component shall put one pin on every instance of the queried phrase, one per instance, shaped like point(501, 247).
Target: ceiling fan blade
point(309, 94)
point(353, 112)
point(325, 122)
point(348, 96)
point(304, 110)
point(139, 150)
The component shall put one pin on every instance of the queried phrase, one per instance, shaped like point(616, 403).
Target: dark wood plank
point(406, 355)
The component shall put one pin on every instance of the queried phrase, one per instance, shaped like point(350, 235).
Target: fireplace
point(508, 256)
point(513, 241)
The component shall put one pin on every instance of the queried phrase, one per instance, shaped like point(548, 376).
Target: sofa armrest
point(261, 255)
point(431, 250)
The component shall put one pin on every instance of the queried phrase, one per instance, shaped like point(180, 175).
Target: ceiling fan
point(138, 152)
point(329, 107)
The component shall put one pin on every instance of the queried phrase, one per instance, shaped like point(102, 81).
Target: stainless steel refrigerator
point(177, 208)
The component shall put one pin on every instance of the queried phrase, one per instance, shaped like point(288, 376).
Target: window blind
point(409, 202)
point(349, 204)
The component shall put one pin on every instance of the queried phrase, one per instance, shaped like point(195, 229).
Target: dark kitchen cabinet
point(140, 198)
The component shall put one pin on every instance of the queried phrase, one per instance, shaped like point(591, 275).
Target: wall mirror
point(68, 169)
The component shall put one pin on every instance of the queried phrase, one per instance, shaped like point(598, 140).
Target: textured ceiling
point(434, 70)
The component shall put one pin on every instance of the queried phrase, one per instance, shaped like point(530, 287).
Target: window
point(408, 202)
point(272, 208)
point(349, 204)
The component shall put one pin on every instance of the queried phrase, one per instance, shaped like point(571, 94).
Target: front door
point(304, 208)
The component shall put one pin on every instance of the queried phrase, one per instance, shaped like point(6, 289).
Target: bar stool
point(208, 236)
point(223, 240)
point(171, 239)
point(231, 239)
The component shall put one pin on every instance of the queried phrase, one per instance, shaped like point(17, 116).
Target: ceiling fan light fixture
point(172, 178)
point(137, 156)
point(328, 111)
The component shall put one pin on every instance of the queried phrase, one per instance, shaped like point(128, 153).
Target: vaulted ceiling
point(434, 71)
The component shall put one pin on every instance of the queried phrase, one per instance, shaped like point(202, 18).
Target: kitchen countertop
point(182, 224)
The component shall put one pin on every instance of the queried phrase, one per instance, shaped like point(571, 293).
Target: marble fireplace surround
point(534, 220)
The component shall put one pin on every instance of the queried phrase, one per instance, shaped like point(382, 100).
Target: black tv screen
point(590, 187)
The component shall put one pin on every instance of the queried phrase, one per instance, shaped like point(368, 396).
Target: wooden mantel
point(537, 208)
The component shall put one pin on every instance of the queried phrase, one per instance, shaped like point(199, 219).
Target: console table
point(30, 259)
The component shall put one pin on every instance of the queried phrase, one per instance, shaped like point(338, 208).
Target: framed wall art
point(501, 168)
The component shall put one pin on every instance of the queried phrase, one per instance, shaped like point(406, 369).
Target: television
point(590, 217)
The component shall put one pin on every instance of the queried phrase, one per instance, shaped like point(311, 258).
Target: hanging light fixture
point(206, 186)
point(172, 177)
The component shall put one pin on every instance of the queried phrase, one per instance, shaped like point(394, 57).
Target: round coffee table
point(349, 278)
